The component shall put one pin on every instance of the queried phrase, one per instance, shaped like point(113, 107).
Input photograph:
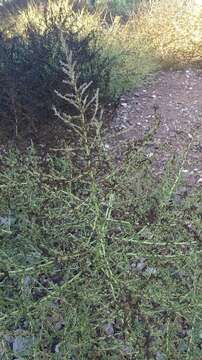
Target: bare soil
point(176, 97)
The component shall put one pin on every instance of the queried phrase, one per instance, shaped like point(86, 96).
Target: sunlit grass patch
point(174, 29)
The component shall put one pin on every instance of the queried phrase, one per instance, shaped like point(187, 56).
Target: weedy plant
point(85, 120)
point(97, 262)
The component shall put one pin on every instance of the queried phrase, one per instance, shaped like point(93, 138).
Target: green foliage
point(98, 260)
point(70, 255)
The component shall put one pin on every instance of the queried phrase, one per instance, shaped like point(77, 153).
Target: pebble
point(108, 329)
point(4, 220)
point(140, 265)
point(57, 348)
point(151, 270)
point(27, 281)
point(59, 325)
point(160, 356)
point(177, 198)
point(123, 126)
point(182, 348)
point(127, 350)
point(185, 171)
point(106, 146)
point(22, 343)
point(7, 220)
point(9, 340)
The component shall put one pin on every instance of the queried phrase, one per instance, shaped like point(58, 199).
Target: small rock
point(106, 146)
point(4, 220)
point(182, 191)
point(57, 348)
point(27, 281)
point(123, 126)
point(7, 220)
point(177, 199)
point(9, 340)
point(108, 329)
point(182, 347)
point(22, 324)
point(151, 270)
point(55, 345)
point(59, 325)
point(162, 329)
point(22, 343)
point(127, 350)
point(124, 105)
point(140, 265)
point(160, 356)
point(150, 155)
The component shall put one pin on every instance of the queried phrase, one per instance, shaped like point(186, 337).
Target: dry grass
point(174, 29)
point(60, 13)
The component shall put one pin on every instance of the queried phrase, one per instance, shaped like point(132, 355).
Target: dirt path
point(177, 97)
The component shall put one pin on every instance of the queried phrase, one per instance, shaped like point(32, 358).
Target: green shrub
point(112, 55)
point(30, 72)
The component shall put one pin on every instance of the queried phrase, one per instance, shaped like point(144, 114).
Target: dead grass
point(174, 29)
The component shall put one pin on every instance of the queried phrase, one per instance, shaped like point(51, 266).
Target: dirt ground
point(175, 97)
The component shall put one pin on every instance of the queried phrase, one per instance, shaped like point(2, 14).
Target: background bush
point(105, 52)
point(30, 72)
